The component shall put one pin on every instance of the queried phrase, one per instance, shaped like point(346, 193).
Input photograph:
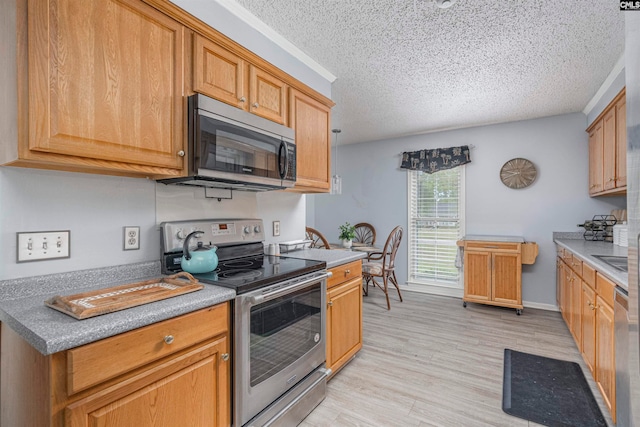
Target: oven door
point(279, 338)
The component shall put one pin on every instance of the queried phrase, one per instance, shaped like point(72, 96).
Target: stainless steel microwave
point(232, 148)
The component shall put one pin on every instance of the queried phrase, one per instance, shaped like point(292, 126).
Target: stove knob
point(256, 228)
point(247, 230)
point(180, 235)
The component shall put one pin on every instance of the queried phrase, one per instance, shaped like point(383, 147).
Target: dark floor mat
point(548, 391)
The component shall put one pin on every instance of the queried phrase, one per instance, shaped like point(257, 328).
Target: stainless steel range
point(279, 319)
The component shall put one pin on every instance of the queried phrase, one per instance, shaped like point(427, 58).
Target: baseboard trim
point(446, 291)
point(540, 306)
point(443, 291)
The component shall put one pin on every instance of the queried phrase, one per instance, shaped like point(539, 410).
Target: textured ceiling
point(405, 66)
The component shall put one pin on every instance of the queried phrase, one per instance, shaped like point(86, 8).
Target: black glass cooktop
point(249, 273)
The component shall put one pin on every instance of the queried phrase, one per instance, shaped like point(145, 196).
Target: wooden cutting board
point(102, 301)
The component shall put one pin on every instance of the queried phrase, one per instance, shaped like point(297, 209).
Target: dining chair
point(381, 265)
point(318, 241)
point(365, 233)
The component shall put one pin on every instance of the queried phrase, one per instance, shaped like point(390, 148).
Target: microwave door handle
point(282, 170)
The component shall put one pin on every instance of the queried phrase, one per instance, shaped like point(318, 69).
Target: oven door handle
point(260, 298)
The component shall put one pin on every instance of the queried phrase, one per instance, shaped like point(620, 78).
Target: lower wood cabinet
point(137, 378)
point(586, 304)
point(344, 314)
point(493, 273)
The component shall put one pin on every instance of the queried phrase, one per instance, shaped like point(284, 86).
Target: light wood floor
point(431, 362)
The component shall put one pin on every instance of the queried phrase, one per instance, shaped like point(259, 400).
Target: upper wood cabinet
point(219, 73)
point(104, 88)
point(608, 150)
point(595, 159)
point(225, 76)
point(267, 95)
point(311, 121)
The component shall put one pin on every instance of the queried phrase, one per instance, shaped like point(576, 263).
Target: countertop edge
point(333, 257)
point(50, 331)
point(618, 277)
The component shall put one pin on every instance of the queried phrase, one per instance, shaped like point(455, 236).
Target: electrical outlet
point(131, 238)
point(276, 228)
point(36, 246)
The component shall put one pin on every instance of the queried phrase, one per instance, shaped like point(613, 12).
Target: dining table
point(356, 246)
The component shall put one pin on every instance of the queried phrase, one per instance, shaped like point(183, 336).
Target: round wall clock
point(518, 173)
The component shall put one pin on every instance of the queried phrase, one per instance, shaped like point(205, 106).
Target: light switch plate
point(41, 245)
point(276, 228)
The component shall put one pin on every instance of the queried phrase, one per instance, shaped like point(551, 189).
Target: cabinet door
point(187, 390)
point(609, 149)
point(506, 278)
point(477, 275)
point(621, 143)
point(219, 73)
point(576, 309)
point(588, 325)
point(311, 121)
point(595, 159)
point(344, 322)
point(605, 354)
point(267, 96)
point(105, 82)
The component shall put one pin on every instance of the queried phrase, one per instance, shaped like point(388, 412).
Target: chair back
point(365, 233)
point(391, 247)
point(318, 241)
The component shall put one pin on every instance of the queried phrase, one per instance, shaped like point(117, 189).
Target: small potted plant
point(347, 233)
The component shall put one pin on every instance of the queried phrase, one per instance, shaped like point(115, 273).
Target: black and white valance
point(436, 159)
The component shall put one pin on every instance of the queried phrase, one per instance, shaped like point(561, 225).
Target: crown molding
point(617, 69)
point(245, 16)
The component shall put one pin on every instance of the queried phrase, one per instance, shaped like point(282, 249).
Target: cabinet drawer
point(500, 246)
point(605, 288)
point(344, 272)
point(589, 275)
point(576, 265)
point(94, 363)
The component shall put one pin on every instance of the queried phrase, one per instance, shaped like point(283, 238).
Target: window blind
point(436, 204)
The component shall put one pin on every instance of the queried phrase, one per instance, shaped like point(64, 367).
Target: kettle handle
point(185, 247)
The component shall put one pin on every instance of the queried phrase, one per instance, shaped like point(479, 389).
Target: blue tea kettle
point(203, 259)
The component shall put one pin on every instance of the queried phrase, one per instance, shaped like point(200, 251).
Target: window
point(436, 223)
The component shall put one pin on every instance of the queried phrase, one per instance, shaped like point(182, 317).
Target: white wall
point(375, 189)
point(93, 207)
point(176, 203)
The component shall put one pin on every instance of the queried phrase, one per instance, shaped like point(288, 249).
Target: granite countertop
point(585, 249)
point(50, 331)
point(332, 257)
point(489, 238)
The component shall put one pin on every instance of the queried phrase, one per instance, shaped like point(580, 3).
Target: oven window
point(282, 331)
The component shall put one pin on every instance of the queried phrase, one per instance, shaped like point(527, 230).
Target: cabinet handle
point(168, 339)
point(346, 272)
point(181, 153)
point(593, 186)
point(243, 99)
point(611, 179)
point(330, 303)
point(255, 105)
point(225, 356)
